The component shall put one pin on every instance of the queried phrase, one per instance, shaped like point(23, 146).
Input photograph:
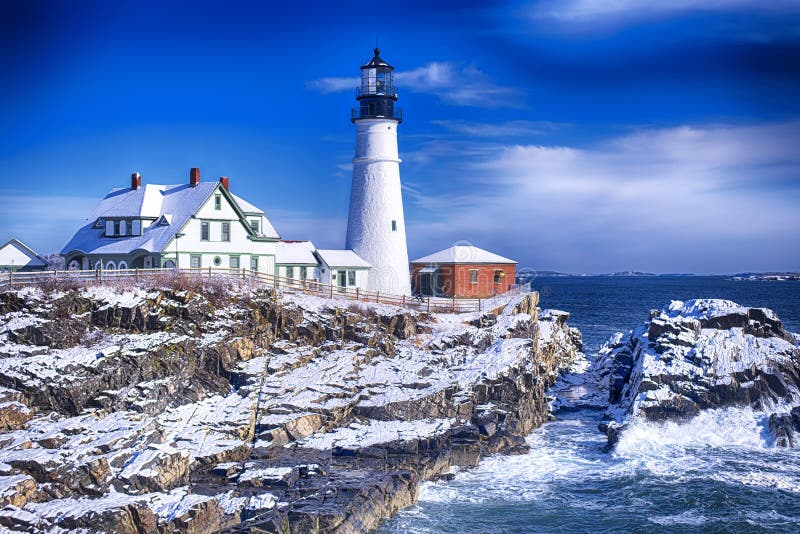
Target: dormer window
point(121, 228)
point(254, 225)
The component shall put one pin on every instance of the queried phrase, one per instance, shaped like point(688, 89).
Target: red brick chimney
point(136, 181)
point(194, 176)
point(225, 182)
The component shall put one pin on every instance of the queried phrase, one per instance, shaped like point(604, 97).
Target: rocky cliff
point(703, 354)
point(170, 411)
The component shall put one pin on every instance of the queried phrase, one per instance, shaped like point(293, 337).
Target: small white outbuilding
point(17, 256)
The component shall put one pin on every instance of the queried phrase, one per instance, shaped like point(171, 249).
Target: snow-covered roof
point(175, 203)
point(342, 258)
point(295, 253)
point(267, 230)
point(246, 206)
point(15, 252)
point(463, 254)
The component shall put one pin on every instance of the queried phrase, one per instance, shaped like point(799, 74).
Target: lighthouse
point(376, 228)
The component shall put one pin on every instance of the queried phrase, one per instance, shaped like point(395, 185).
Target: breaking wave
point(717, 471)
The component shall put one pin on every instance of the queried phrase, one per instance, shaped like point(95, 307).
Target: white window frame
point(192, 258)
point(473, 276)
point(222, 233)
point(207, 226)
point(217, 202)
point(234, 259)
point(253, 263)
point(351, 277)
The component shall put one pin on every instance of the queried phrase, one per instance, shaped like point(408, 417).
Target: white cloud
point(333, 84)
point(713, 198)
point(501, 129)
point(43, 222)
point(621, 11)
point(453, 83)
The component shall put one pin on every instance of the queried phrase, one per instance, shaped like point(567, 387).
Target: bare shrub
point(49, 285)
point(360, 309)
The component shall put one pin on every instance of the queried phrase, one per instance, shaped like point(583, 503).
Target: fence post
point(378, 297)
point(10, 278)
point(454, 304)
point(429, 304)
point(479, 304)
point(357, 294)
point(331, 290)
point(403, 300)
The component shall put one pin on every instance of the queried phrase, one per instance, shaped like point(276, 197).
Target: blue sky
point(574, 135)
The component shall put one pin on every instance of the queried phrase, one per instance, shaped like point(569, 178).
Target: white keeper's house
point(199, 225)
point(203, 224)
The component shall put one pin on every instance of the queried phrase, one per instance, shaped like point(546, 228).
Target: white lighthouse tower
point(376, 228)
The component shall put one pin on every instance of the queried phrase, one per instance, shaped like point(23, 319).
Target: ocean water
point(716, 473)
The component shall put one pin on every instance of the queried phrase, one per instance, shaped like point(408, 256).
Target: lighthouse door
point(342, 279)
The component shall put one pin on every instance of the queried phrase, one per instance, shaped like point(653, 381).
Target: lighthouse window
point(371, 108)
point(394, 226)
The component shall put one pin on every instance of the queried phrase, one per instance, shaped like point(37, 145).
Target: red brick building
point(462, 272)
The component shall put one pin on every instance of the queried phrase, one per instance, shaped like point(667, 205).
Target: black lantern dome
point(377, 94)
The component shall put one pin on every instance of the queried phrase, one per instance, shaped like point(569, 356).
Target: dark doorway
point(426, 283)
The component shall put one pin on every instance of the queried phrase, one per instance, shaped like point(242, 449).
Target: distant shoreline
point(765, 277)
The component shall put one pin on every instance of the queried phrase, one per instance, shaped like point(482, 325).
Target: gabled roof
point(342, 258)
point(267, 230)
point(463, 254)
point(246, 206)
point(173, 204)
point(36, 260)
point(295, 253)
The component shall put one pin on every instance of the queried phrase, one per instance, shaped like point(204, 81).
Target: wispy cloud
point(685, 198)
point(622, 11)
point(455, 84)
point(44, 222)
point(500, 129)
point(333, 84)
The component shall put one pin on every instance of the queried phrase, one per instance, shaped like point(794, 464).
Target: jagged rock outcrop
point(170, 411)
point(702, 354)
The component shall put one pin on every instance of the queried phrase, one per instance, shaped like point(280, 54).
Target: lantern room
point(377, 94)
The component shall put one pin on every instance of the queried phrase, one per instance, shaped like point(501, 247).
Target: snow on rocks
point(696, 355)
point(164, 414)
point(357, 435)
